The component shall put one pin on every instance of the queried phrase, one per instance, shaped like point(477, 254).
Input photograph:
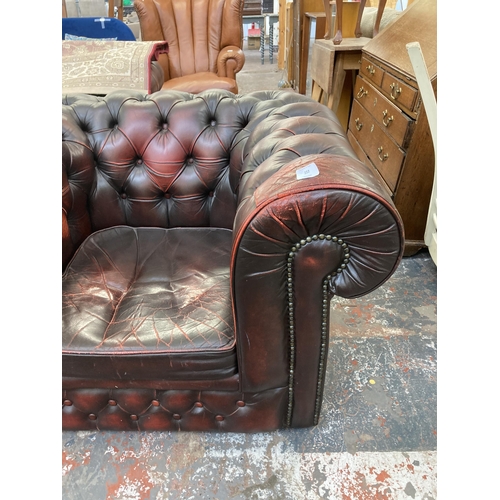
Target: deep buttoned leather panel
point(142, 303)
point(153, 410)
point(166, 160)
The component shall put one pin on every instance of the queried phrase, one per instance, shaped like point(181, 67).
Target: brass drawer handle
point(370, 69)
point(359, 125)
point(389, 120)
point(362, 92)
point(384, 156)
point(395, 90)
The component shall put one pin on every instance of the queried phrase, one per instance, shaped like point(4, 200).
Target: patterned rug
point(99, 66)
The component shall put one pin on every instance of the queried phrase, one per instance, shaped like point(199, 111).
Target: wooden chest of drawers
point(388, 127)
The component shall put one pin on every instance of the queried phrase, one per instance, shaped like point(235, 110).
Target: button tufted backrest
point(166, 160)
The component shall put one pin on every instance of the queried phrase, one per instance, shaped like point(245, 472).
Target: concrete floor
point(377, 435)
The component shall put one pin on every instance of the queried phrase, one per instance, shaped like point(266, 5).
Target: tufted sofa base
point(173, 410)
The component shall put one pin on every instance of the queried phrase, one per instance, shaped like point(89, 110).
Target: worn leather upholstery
point(198, 268)
point(205, 41)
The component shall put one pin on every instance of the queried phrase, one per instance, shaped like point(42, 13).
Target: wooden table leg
point(304, 56)
point(306, 37)
point(111, 9)
point(317, 92)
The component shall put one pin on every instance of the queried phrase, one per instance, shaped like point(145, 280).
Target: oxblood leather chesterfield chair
point(203, 238)
point(205, 40)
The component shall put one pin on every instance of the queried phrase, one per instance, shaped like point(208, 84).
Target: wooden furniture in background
point(299, 8)
point(380, 11)
point(321, 20)
point(388, 126)
point(64, 10)
point(111, 8)
point(333, 72)
point(347, 19)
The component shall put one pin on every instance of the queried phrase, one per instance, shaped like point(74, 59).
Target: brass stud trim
point(324, 325)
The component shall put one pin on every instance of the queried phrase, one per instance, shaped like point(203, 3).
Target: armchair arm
point(298, 242)
point(230, 61)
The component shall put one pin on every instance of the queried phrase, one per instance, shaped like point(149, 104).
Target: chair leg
point(380, 11)
point(337, 39)
point(328, 12)
point(357, 31)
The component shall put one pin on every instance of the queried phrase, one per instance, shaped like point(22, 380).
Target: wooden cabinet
point(388, 127)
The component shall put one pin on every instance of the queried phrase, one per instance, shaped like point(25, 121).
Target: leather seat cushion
point(198, 82)
point(148, 303)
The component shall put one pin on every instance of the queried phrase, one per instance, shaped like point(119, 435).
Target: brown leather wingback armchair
point(205, 39)
point(203, 239)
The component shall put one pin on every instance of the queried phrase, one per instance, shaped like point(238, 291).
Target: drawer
point(364, 159)
point(382, 151)
point(397, 124)
point(400, 92)
point(371, 71)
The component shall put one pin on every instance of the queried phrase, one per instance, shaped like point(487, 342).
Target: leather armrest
point(298, 242)
point(230, 61)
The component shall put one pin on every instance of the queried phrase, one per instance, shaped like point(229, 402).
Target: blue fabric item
point(97, 27)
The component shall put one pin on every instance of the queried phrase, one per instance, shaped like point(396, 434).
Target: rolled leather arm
point(230, 61)
point(298, 242)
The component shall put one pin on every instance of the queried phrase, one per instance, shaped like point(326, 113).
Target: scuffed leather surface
point(176, 410)
point(197, 32)
point(149, 303)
